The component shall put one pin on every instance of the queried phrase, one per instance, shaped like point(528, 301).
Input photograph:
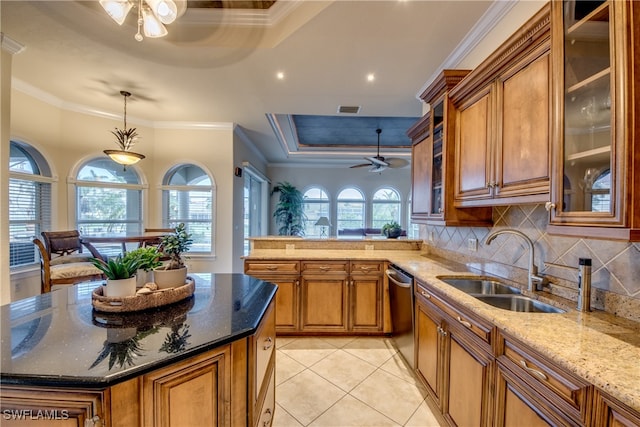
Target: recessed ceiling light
point(371, 77)
point(280, 75)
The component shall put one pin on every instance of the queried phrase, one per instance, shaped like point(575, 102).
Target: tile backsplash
point(615, 265)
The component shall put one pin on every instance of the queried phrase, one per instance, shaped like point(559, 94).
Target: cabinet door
point(595, 56)
point(202, 382)
point(287, 303)
point(429, 348)
point(63, 408)
point(522, 162)
point(366, 303)
point(420, 178)
point(473, 148)
point(515, 406)
point(609, 412)
point(324, 303)
point(470, 382)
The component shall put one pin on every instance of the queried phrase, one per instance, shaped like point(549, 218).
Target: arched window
point(108, 200)
point(351, 210)
point(29, 202)
point(187, 197)
point(386, 207)
point(316, 205)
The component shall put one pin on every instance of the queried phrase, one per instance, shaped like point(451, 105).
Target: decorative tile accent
point(616, 265)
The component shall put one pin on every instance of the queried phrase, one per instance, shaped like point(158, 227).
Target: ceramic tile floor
point(346, 382)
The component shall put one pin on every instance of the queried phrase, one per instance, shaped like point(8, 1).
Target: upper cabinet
point(502, 122)
point(433, 160)
point(596, 53)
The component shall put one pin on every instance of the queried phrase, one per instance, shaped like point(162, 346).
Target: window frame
point(310, 229)
point(397, 203)
point(165, 188)
point(362, 201)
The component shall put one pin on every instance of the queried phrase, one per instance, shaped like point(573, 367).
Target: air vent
point(346, 109)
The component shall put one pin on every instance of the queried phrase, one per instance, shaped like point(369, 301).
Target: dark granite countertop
point(57, 339)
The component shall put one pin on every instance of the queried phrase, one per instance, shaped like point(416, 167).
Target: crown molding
point(486, 23)
point(47, 98)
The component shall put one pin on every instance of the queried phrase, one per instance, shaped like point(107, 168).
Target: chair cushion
point(70, 271)
point(72, 258)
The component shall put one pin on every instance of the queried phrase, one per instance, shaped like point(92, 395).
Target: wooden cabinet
point(170, 394)
point(503, 122)
point(454, 359)
point(328, 296)
point(608, 412)
point(595, 98)
point(262, 359)
point(324, 305)
point(433, 160)
point(556, 395)
point(285, 274)
point(341, 296)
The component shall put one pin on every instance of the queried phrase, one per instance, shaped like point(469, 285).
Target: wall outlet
point(289, 248)
point(368, 247)
point(432, 236)
point(472, 245)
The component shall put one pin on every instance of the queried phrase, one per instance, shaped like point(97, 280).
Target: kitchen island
point(206, 360)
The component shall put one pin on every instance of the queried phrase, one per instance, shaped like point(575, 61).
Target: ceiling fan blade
point(396, 163)
point(360, 165)
point(378, 160)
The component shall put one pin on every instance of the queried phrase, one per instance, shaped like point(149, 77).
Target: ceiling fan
point(378, 163)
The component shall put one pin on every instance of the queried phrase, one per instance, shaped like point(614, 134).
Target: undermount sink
point(518, 303)
point(479, 286)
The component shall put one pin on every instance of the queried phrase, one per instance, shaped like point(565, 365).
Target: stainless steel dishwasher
point(401, 301)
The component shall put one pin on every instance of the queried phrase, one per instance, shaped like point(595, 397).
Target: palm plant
point(289, 213)
point(118, 268)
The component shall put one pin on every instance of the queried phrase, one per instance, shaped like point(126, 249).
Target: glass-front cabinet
point(433, 159)
point(594, 60)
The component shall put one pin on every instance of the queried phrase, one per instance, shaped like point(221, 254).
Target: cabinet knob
point(268, 343)
point(425, 294)
point(93, 421)
point(267, 422)
point(272, 267)
point(548, 206)
point(324, 268)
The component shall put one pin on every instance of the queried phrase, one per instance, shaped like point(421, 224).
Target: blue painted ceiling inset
point(338, 131)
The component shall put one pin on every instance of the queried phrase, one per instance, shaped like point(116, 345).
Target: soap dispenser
point(584, 284)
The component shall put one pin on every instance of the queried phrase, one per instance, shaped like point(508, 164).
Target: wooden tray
point(140, 302)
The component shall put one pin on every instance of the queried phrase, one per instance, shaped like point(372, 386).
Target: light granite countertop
point(599, 347)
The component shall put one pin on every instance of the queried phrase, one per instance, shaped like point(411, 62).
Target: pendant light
point(125, 138)
point(152, 14)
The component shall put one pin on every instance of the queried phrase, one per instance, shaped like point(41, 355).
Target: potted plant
point(392, 230)
point(173, 272)
point(289, 213)
point(149, 258)
point(121, 275)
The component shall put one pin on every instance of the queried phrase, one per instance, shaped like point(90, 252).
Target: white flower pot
point(122, 287)
point(170, 278)
point(143, 277)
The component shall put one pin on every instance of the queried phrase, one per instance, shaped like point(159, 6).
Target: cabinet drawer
point(565, 390)
point(265, 412)
point(367, 267)
point(477, 326)
point(264, 344)
point(325, 267)
point(270, 267)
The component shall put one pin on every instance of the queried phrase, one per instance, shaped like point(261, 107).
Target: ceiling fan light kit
point(152, 14)
point(378, 163)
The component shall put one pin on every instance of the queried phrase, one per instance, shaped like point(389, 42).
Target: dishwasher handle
point(393, 276)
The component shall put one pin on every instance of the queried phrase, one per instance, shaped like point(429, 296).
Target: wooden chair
point(62, 261)
point(157, 242)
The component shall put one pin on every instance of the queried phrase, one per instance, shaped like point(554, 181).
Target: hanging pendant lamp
point(125, 138)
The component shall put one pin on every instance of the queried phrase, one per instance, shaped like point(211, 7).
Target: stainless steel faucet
point(533, 277)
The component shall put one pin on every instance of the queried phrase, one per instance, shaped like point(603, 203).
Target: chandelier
point(152, 14)
point(125, 138)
